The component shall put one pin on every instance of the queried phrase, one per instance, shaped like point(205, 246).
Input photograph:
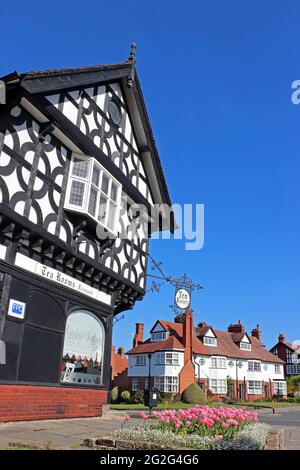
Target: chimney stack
point(113, 349)
point(139, 334)
point(237, 328)
point(121, 351)
point(281, 337)
point(256, 332)
point(202, 324)
point(188, 335)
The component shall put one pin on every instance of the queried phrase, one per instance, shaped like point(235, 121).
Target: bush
point(114, 394)
point(264, 400)
point(125, 395)
point(138, 397)
point(194, 394)
point(165, 396)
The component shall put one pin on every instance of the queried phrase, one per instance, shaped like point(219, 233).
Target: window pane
point(93, 201)
point(77, 192)
point(102, 208)
point(114, 192)
point(105, 183)
point(96, 175)
point(111, 216)
point(80, 168)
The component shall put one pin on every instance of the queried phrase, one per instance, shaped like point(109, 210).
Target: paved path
point(287, 419)
point(60, 433)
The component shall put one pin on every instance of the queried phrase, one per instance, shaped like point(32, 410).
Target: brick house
point(289, 353)
point(119, 369)
point(230, 362)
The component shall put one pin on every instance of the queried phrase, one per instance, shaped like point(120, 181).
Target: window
point(166, 384)
point(280, 388)
point(254, 366)
point(277, 369)
point(140, 360)
point(293, 369)
point(159, 336)
point(245, 346)
point(291, 357)
point(210, 341)
point(170, 359)
point(93, 191)
point(275, 351)
point(218, 362)
point(135, 384)
point(82, 362)
point(254, 387)
point(218, 386)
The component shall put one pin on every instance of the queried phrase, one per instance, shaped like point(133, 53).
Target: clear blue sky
point(217, 77)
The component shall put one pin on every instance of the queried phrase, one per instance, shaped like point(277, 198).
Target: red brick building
point(224, 363)
point(119, 369)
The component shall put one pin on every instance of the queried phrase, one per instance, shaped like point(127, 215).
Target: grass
point(180, 405)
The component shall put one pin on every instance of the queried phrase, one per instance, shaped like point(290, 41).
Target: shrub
point(125, 395)
point(252, 437)
point(165, 396)
point(114, 394)
point(138, 397)
point(194, 394)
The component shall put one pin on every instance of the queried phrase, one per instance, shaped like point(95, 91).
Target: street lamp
point(239, 365)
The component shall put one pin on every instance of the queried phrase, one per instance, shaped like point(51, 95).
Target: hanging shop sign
point(182, 298)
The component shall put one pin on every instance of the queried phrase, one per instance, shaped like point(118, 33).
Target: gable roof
point(34, 84)
point(151, 346)
point(226, 346)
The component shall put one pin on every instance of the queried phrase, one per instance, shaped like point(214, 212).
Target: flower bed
point(200, 428)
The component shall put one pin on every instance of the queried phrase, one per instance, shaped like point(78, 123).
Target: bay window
point(94, 192)
point(218, 386)
point(169, 359)
point(280, 388)
point(254, 366)
point(166, 384)
point(254, 387)
point(218, 362)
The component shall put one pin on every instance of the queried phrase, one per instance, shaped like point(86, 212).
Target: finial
point(132, 51)
point(130, 78)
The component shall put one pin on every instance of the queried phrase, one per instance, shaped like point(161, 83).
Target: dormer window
point(92, 191)
point(209, 341)
point(245, 346)
point(159, 336)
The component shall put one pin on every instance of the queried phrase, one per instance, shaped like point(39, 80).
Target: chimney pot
point(121, 351)
point(281, 337)
point(256, 332)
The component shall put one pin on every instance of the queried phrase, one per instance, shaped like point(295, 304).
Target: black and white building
point(77, 157)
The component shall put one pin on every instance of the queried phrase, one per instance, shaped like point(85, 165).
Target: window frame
point(277, 368)
point(218, 386)
point(137, 360)
point(218, 362)
point(254, 389)
point(166, 384)
point(90, 185)
point(245, 346)
point(253, 368)
point(282, 387)
point(210, 341)
point(135, 384)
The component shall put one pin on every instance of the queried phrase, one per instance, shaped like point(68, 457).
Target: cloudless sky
point(216, 76)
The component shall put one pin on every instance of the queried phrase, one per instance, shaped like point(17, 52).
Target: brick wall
point(186, 376)
point(24, 403)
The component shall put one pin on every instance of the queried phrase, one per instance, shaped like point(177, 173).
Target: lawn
point(180, 405)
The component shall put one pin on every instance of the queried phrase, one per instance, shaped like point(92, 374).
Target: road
point(287, 419)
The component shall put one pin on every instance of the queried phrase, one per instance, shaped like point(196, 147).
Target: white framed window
point(293, 369)
point(161, 335)
point(218, 386)
point(218, 362)
point(254, 366)
point(93, 191)
point(245, 346)
point(209, 341)
point(169, 359)
point(135, 386)
point(140, 360)
point(166, 384)
point(254, 387)
point(280, 388)
point(146, 383)
point(277, 369)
